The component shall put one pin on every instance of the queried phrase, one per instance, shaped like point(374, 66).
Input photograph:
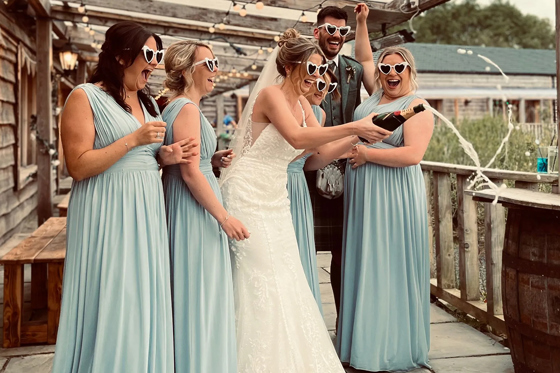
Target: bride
point(279, 326)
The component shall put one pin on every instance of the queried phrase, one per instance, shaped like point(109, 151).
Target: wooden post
point(81, 75)
point(220, 119)
point(428, 185)
point(13, 304)
point(495, 225)
point(44, 118)
point(445, 253)
point(557, 79)
point(468, 242)
point(56, 270)
point(522, 114)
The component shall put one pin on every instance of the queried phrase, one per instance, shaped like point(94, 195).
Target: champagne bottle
point(392, 120)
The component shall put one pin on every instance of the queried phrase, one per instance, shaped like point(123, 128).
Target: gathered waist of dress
point(133, 162)
point(295, 168)
point(205, 167)
point(256, 165)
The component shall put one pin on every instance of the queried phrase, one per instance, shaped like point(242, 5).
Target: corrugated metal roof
point(445, 58)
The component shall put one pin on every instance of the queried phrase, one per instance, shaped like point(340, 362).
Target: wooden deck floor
point(456, 347)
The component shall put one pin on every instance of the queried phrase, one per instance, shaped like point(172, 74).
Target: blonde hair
point(179, 61)
point(407, 56)
point(295, 50)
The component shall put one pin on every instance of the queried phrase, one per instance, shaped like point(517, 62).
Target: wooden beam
point(44, 118)
point(173, 10)
point(165, 27)
point(389, 14)
point(42, 8)
point(558, 79)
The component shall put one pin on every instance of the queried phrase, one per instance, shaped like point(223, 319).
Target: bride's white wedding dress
point(279, 326)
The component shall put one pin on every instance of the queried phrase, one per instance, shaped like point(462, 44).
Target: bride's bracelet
point(226, 219)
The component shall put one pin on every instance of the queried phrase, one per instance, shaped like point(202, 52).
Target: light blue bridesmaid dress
point(202, 287)
point(384, 321)
point(302, 217)
point(116, 301)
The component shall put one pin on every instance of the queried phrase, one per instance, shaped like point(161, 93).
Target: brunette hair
point(123, 41)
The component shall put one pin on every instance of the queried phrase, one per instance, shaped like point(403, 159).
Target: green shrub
point(486, 135)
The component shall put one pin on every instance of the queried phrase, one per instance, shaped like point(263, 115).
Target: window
point(27, 110)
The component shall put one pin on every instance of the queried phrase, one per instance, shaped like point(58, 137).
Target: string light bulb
point(303, 17)
point(277, 38)
point(212, 29)
point(233, 70)
point(243, 11)
point(94, 44)
point(92, 32)
point(85, 19)
point(320, 8)
point(236, 6)
point(99, 45)
point(221, 26)
point(253, 66)
point(269, 49)
point(245, 74)
point(82, 8)
point(259, 5)
point(261, 51)
point(87, 28)
point(238, 75)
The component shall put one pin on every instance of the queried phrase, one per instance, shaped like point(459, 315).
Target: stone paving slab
point(438, 316)
point(460, 340)
point(324, 276)
point(329, 315)
point(36, 364)
point(27, 350)
point(474, 364)
point(324, 259)
point(327, 295)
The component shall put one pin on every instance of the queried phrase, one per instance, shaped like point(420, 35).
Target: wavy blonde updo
point(179, 60)
point(407, 56)
point(294, 49)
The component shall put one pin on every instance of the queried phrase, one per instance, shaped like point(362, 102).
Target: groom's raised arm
point(363, 52)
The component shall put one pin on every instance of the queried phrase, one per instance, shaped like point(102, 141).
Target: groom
point(329, 214)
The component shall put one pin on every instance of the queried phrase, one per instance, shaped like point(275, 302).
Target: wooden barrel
point(531, 288)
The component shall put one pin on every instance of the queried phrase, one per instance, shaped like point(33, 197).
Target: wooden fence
point(465, 294)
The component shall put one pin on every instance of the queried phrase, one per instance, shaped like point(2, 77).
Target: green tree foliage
point(499, 24)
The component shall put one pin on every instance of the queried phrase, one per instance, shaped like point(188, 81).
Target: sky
point(540, 8)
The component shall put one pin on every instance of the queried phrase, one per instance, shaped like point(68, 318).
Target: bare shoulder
point(78, 97)
point(189, 109)
point(418, 101)
point(77, 105)
point(268, 94)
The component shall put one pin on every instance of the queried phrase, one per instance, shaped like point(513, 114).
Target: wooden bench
point(45, 250)
point(63, 206)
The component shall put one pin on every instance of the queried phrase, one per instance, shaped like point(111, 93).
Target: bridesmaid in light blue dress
point(203, 301)
point(298, 190)
point(116, 311)
point(384, 321)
